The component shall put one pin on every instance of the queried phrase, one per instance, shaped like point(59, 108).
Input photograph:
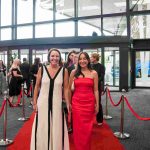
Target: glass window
point(142, 69)
point(115, 26)
point(64, 9)
point(140, 27)
point(114, 6)
point(6, 34)
point(43, 10)
point(89, 7)
point(24, 32)
point(24, 11)
point(89, 27)
point(61, 29)
point(6, 18)
point(138, 5)
point(44, 30)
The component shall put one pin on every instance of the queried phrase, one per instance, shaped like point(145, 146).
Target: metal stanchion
point(23, 118)
point(121, 134)
point(31, 102)
point(106, 116)
point(5, 141)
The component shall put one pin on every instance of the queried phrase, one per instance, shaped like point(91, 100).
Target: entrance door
point(142, 69)
point(111, 62)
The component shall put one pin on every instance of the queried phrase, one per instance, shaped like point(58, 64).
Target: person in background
point(70, 68)
point(25, 71)
point(34, 70)
point(100, 69)
point(2, 76)
point(85, 101)
point(15, 80)
point(49, 131)
point(70, 59)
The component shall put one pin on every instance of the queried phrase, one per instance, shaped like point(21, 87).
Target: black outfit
point(100, 69)
point(25, 70)
point(15, 83)
point(34, 70)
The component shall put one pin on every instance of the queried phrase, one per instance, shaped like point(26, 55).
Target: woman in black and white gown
point(49, 131)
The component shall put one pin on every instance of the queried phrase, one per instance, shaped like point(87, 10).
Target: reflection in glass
point(142, 69)
point(114, 6)
point(89, 7)
point(44, 30)
point(43, 10)
point(140, 27)
point(24, 11)
point(88, 26)
point(115, 26)
point(138, 5)
point(24, 32)
point(62, 27)
point(6, 12)
point(6, 34)
point(64, 9)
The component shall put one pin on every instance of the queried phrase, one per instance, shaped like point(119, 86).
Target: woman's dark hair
point(68, 59)
point(49, 53)
point(78, 72)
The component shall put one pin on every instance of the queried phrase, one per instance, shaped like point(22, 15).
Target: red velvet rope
point(133, 112)
point(30, 90)
point(18, 102)
point(111, 100)
point(2, 108)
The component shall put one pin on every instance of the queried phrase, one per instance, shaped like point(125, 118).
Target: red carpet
point(102, 138)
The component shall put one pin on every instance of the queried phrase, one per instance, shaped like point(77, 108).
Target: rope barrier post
point(5, 141)
point(121, 134)
point(23, 118)
point(106, 116)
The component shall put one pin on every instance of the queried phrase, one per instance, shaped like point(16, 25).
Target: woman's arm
point(96, 93)
point(36, 89)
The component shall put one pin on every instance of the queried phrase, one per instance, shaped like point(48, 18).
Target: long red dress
point(83, 108)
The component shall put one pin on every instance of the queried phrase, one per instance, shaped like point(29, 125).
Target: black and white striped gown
point(49, 131)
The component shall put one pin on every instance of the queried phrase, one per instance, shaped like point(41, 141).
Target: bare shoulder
point(94, 72)
point(73, 73)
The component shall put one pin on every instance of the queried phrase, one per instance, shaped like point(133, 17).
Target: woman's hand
point(96, 109)
point(35, 108)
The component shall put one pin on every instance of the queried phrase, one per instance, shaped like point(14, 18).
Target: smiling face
point(83, 61)
point(54, 58)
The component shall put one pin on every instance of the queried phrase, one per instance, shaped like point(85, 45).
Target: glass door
point(93, 50)
point(42, 54)
point(24, 53)
point(111, 61)
point(3, 57)
point(142, 69)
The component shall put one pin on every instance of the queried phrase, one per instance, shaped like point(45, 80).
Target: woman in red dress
point(85, 101)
